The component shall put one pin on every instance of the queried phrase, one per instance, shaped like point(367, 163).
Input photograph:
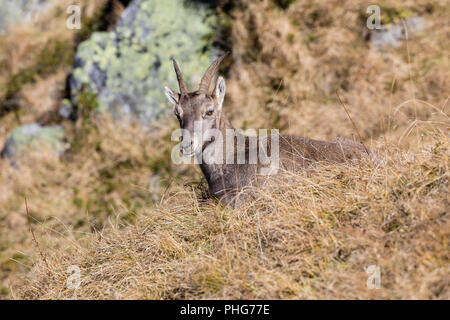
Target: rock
point(128, 67)
point(393, 35)
point(66, 109)
point(33, 136)
point(19, 10)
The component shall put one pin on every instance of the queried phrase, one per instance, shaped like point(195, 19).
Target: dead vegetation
point(310, 238)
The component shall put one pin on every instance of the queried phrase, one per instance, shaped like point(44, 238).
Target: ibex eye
point(209, 113)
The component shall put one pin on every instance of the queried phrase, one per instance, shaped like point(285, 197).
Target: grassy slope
point(309, 238)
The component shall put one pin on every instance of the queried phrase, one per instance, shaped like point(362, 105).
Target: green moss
point(88, 102)
point(290, 38)
point(54, 55)
point(16, 82)
point(4, 291)
point(391, 15)
point(77, 202)
point(310, 38)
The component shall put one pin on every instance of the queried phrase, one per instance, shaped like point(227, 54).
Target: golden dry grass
point(287, 65)
point(311, 237)
point(308, 238)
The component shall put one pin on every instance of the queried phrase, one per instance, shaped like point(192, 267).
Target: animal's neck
point(211, 168)
point(224, 123)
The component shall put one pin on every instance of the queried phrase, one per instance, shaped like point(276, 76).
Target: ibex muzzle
point(201, 118)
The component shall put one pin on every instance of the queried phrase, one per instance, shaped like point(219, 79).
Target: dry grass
point(34, 59)
point(311, 237)
point(308, 238)
point(287, 65)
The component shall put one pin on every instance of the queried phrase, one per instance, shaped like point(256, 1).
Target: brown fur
point(228, 182)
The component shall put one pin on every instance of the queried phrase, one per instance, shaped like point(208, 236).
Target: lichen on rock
point(13, 11)
point(128, 67)
point(33, 136)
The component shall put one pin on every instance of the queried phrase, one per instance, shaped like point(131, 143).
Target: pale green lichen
point(34, 136)
point(129, 67)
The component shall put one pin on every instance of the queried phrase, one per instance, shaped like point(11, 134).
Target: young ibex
point(206, 135)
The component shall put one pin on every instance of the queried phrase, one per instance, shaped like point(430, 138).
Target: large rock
point(19, 10)
point(128, 67)
point(33, 136)
point(396, 33)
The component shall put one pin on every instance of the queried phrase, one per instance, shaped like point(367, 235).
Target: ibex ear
point(219, 92)
point(171, 95)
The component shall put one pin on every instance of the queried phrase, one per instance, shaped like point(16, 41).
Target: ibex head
point(200, 107)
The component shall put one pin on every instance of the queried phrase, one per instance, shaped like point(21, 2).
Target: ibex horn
point(205, 83)
point(181, 83)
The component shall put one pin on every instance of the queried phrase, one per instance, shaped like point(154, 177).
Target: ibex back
point(231, 160)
